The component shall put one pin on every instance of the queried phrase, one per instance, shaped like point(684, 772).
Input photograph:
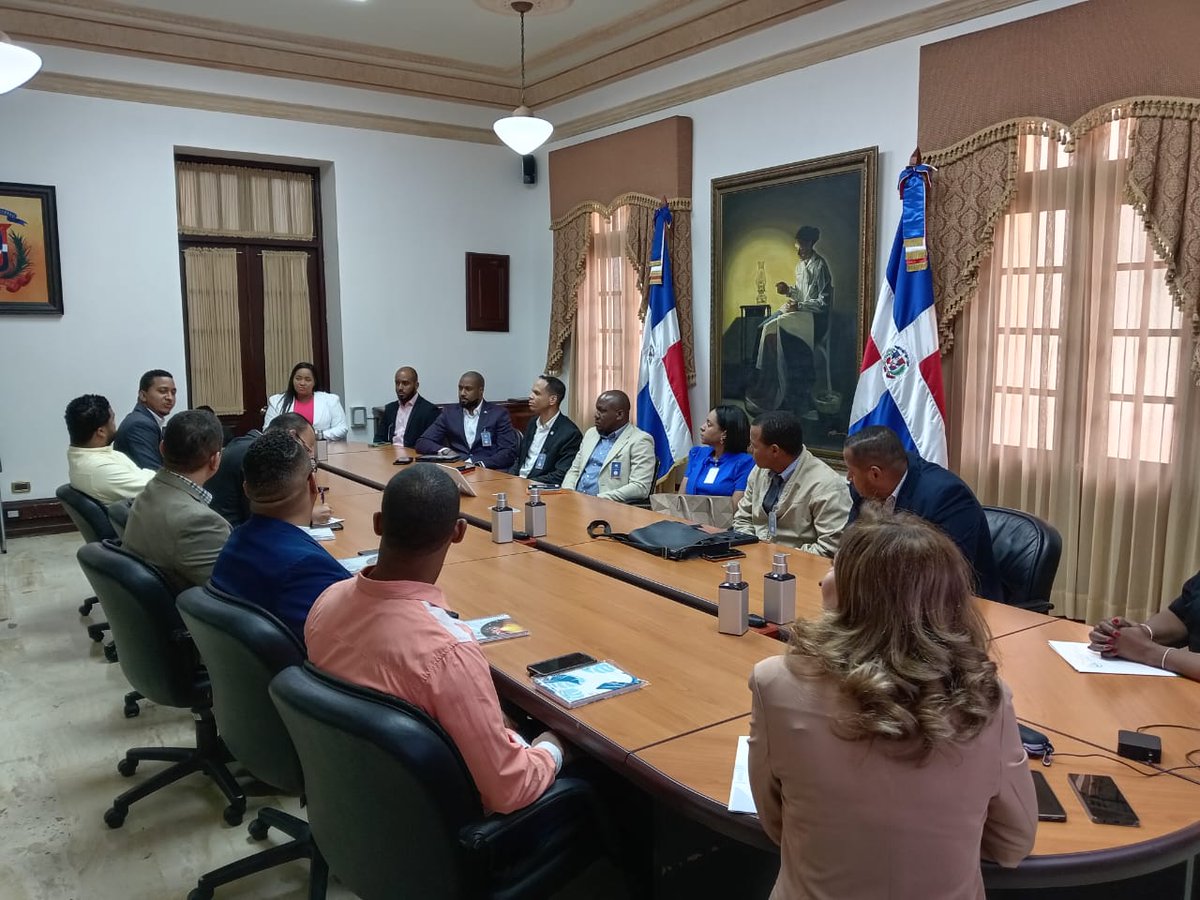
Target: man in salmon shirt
point(388, 628)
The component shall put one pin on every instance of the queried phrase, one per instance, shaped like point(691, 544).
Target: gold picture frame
point(799, 351)
point(30, 277)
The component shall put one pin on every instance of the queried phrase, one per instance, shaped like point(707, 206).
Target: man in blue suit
point(140, 432)
point(475, 429)
point(880, 469)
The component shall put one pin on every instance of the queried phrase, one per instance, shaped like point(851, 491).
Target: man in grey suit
point(171, 525)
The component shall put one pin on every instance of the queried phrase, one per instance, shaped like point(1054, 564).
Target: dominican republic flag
point(900, 385)
point(662, 400)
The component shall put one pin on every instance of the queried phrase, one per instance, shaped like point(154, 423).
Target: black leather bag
point(670, 540)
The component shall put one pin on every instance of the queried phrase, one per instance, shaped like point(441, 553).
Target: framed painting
point(793, 283)
point(30, 279)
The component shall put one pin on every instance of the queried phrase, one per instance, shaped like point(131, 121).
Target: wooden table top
point(697, 676)
point(379, 465)
point(1049, 694)
point(700, 765)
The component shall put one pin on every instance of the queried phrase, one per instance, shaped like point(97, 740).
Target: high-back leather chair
point(118, 515)
point(244, 647)
point(1027, 551)
point(376, 767)
point(91, 518)
point(161, 662)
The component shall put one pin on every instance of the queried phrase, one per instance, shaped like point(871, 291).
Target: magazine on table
point(588, 683)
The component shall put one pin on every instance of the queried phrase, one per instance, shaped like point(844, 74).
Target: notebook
point(495, 628)
point(587, 684)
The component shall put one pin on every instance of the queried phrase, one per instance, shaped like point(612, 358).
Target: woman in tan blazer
point(884, 753)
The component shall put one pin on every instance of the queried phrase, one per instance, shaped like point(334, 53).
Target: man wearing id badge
point(551, 439)
point(791, 498)
point(475, 430)
point(616, 459)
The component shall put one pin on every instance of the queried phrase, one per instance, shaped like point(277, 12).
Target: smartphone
point(1103, 800)
point(722, 553)
point(336, 526)
point(559, 663)
point(1049, 809)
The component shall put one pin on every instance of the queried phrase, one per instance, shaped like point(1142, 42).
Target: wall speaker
point(529, 169)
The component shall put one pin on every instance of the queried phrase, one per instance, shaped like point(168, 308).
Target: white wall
point(863, 100)
point(407, 209)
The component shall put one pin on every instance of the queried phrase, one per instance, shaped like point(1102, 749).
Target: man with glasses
point(226, 486)
point(270, 559)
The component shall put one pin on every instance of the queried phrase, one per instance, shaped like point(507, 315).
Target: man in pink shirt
point(388, 629)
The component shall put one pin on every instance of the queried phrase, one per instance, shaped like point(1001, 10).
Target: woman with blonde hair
point(884, 753)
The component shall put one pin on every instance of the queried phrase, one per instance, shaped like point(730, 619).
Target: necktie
point(774, 489)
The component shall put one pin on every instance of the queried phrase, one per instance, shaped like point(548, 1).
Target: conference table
point(676, 738)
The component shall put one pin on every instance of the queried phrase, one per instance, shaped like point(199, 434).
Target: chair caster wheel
point(233, 814)
point(258, 829)
point(110, 652)
point(115, 816)
point(132, 710)
point(85, 610)
point(96, 633)
point(200, 893)
point(127, 767)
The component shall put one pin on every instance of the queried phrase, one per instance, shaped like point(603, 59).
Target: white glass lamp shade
point(17, 65)
point(523, 131)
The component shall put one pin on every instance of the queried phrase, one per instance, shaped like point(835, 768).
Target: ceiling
point(457, 50)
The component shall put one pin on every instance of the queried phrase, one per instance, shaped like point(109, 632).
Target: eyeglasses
point(312, 460)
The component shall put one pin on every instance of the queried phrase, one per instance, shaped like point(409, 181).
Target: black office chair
point(1027, 551)
point(160, 660)
point(118, 515)
point(396, 814)
point(91, 518)
point(244, 647)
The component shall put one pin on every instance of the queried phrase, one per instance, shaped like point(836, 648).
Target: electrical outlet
point(20, 487)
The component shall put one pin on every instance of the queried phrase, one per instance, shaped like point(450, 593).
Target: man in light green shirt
point(93, 465)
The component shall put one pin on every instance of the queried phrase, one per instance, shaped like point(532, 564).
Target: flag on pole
point(900, 384)
point(662, 400)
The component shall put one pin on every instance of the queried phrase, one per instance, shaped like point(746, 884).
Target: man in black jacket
point(880, 469)
point(140, 432)
point(415, 412)
point(551, 439)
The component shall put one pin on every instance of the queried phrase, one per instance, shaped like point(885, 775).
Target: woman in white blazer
point(322, 409)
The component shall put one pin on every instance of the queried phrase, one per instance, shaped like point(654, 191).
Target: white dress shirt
point(105, 473)
point(471, 423)
point(403, 411)
point(539, 441)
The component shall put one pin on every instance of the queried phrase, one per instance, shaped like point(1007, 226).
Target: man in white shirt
point(93, 465)
point(551, 439)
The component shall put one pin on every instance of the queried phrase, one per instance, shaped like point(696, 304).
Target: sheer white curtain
point(608, 335)
point(214, 328)
point(287, 317)
point(240, 201)
point(1069, 385)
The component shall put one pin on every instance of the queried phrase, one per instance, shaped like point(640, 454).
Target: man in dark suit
point(880, 469)
point(551, 439)
point(140, 432)
point(414, 412)
point(475, 429)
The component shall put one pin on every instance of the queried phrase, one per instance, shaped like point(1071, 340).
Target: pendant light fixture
point(522, 131)
point(17, 65)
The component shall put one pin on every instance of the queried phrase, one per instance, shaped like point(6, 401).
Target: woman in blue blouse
point(720, 466)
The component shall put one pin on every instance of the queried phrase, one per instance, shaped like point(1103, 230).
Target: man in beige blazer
point(792, 498)
point(171, 525)
point(616, 460)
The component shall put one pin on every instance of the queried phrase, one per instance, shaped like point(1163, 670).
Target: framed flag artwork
point(30, 279)
point(793, 283)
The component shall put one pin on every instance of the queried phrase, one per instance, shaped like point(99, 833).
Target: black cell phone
point(719, 554)
point(1049, 809)
point(1103, 800)
point(559, 663)
point(336, 526)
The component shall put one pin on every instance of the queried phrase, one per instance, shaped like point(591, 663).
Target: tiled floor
point(62, 732)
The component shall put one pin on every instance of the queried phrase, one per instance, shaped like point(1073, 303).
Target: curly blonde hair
point(906, 643)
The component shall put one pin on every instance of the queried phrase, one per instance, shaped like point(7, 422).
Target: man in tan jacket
point(171, 525)
point(616, 459)
point(792, 498)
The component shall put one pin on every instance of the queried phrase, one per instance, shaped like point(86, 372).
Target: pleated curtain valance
point(242, 202)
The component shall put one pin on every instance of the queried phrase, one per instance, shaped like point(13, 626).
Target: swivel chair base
point(208, 756)
point(96, 631)
point(86, 608)
point(300, 847)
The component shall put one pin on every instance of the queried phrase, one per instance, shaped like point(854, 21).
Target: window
point(607, 344)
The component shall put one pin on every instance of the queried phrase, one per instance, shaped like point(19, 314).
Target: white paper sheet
point(320, 534)
point(740, 798)
point(1081, 659)
point(355, 564)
